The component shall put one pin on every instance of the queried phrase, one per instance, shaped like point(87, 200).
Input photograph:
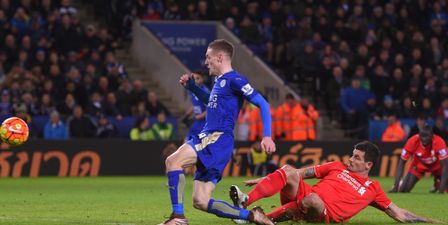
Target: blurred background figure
point(55, 129)
point(105, 129)
point(142, 130)
point(260, 163)
point(394, 132)
point(198, 108)
point(163, 130)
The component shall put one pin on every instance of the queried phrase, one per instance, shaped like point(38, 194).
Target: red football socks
point(285, 212)
point(270, 185)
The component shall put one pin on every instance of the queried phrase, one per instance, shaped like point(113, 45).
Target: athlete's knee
point(200, 202)
point(170, 161)
point(292, 174)
point(312, 201)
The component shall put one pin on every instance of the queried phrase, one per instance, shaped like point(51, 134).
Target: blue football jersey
point(226, 99)
point(198, 106)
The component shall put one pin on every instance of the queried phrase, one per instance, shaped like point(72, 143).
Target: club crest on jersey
point(442, 152)
point(222, 83)
point(247, 89)
point(367, 183)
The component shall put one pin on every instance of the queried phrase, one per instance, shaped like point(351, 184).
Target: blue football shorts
point(214, 151)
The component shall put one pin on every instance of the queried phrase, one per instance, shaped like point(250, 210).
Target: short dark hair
point(371, 151)
point(222, 45)
point(427, 129)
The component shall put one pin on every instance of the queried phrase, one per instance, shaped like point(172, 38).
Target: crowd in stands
point(368, 60)
point(294, 120)
point(64, 75)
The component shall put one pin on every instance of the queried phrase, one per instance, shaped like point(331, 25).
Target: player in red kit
point(343, 191)
point(428, 152)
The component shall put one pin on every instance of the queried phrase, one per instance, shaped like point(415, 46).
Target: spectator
point(151, 13)
point(20, 23)
point(90, 39)
point(142, 131)
point(115, 70)
point(284, 118)
point(304, 121)
point(66, 108)
point(138, 93)
point(259, 161)
point(334, 88)
point(245, 123)
point(67, 9)
point(67, 38)
point(420, 122)
point(124, 98)
point(96, 105)
point(443, 109)
point(154, 106)
point(427, 109)
point(140, 110)
point(5, 104)
point(354, 104)
point(55, 129)
point(440, 129)
point(163, 130)
point(105, 129)
point(46, 105)
point(408, 110)
point(111, 108)
point(80, 125)
point(388, 108)
point(172, 13)
point(394, 132)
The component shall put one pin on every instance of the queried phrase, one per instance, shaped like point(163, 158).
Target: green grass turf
point(145, 200)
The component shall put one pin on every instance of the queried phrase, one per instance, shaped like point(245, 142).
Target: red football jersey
point(424, 155)
point(346, 193)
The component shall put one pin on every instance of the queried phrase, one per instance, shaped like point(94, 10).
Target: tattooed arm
point(404, 216)
point(307, 172)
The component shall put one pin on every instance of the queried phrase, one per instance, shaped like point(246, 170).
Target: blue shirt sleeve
point(200, 93)
point(241, 86)
point(265, 110)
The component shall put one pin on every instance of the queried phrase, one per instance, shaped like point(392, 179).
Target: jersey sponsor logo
point(345, 176)
point(213, 101)
point(222, 83)
point(442, 152)
point(247, 89)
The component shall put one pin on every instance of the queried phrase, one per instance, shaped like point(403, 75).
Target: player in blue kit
point(198, 107)
point(211, 150)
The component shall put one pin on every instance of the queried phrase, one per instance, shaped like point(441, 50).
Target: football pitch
point(145, 201)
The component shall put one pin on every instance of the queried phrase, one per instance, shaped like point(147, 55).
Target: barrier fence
point(92, 157)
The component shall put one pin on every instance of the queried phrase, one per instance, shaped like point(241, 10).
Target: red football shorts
point(419, 169)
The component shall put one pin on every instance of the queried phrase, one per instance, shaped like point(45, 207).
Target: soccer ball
point(14, 131)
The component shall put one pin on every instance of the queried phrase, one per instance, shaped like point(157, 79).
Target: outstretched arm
point(188, 83)
point(267, 144)
point(404, 216)
point(398, 174)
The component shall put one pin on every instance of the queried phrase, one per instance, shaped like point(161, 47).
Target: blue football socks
point(224, 209)
point(176, 183)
